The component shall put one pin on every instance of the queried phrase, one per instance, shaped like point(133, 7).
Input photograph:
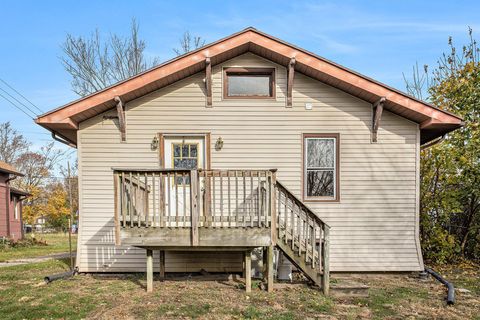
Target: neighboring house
point(345, 149)
point(39, 224)
point(10, 203)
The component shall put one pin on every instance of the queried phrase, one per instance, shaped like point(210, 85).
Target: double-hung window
point(320, 168)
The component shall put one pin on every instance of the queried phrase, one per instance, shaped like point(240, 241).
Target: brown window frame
point(336, 197)
point(249, 71)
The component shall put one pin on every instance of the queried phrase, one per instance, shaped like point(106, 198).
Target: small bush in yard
point(6, 243)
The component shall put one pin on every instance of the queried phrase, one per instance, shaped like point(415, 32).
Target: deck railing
point(172, 200)
point(176, 198)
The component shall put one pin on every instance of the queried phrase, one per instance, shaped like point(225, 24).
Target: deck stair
point(302, 237)
point(219, 210)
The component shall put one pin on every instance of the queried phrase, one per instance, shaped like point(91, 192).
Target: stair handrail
point(301, 203)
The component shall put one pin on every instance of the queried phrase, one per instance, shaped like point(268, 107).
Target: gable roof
point(433, 121)
point(8, 168)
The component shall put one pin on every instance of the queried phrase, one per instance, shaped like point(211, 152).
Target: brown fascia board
point(61, 117)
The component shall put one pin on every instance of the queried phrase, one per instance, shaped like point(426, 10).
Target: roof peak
point(65, 120)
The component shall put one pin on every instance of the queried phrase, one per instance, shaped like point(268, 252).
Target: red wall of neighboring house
point(13, 227)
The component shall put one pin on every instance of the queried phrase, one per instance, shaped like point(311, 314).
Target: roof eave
point(62, 118)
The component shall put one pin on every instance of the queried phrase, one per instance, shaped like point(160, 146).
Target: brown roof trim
point(144, 72)
point(60, 118)
point(19, 192)
point(8, 168)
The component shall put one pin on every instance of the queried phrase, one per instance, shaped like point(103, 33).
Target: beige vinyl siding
point(374, 226)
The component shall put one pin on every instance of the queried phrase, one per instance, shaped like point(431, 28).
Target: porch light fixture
point(154, 144)
point(219, 144)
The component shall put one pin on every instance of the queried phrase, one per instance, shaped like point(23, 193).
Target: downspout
point(450, 287)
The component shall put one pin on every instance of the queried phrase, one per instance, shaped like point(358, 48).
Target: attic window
point(249, 83)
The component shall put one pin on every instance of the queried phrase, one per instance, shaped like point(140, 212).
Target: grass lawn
point(56, 243)
point(24, 296)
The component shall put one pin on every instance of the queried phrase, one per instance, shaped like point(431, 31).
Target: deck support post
point(162, 264)
point(149, 270)
point(325, 258)
point(248, 271)
point(269, 267)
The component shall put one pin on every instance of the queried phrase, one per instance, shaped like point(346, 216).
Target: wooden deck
point(221, 210)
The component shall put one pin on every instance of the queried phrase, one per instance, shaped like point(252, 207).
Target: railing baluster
point(221, 199)
point(252, 200)
point(124, 201)
point(299, 230)
point(213, 201)
point(267, 206)
point(229, 201)
point(175, 181)
point(130, 205)
point(162, 200)
point(154, 202)
point(237, 213)
point(292, 226)
point(244, 204)
point(312, 241)
point(184, 190)
point(279, 211)
point(319, 249)
point(138, 204)
point(169, 199)
point(145, 198)
point(259, 199)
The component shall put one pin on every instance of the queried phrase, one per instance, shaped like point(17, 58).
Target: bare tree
point(12, 143)
point(95, 64)
point(38, 166)
point(189, 43)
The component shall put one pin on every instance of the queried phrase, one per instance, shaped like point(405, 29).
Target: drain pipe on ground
point(59, 276)
point(450, 287)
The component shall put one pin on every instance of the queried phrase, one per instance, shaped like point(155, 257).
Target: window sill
point(306, 200)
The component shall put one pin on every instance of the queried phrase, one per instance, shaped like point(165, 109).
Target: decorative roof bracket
point(121, 117)
point(291, 75)
point(377, 116)
point(208, 81)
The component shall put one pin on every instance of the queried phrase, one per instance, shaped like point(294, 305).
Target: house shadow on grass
point(139, 279)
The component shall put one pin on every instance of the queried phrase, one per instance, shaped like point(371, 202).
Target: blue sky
point(381, 39)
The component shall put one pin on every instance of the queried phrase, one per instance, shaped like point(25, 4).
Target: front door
point(182, 152)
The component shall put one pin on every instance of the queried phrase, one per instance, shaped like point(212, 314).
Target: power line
point(23, 104)
point(21, 95)
point(13, 104)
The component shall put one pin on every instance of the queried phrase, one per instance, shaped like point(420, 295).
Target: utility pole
point(70, 219)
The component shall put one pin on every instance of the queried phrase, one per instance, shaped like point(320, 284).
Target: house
point(11, 224)
point(249, 142)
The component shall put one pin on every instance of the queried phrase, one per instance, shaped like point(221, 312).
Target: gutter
point(432, 143)
point(57, 137)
